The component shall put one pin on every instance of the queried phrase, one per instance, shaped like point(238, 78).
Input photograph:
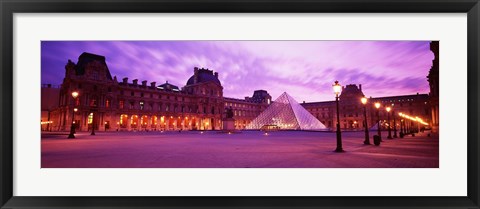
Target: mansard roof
point(86, 58)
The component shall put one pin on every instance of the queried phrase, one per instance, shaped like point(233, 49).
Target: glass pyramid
point(286, 113)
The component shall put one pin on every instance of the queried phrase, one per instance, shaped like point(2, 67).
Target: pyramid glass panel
point(286, 113)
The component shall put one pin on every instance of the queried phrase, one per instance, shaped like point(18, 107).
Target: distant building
point(351, 109)
point(49, 103)
point(108, 104)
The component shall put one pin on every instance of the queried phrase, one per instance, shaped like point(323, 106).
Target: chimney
point(195, 75)
point(216, 74)
point(144, 83)
point(360, 86)
point(125, 80)
point(153, 84)
point(135, 82)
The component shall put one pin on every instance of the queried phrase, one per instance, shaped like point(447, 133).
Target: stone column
point(149, 122)
point(129, 118)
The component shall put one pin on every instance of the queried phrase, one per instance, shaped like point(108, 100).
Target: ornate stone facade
point(433, 80)
point(110, 105)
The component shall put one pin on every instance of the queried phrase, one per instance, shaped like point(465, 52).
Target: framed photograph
point(195, 104)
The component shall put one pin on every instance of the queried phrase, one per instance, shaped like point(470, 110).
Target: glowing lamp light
point(388, 109)
point(337, 88)
point(75, 109)
point(74, 94)
point(377, 105)
point(364, 100)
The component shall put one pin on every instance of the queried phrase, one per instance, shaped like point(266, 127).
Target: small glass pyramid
point(286, 113)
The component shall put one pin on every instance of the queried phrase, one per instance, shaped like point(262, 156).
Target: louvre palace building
point(111, 104)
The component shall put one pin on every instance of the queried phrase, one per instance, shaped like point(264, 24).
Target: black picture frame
point(10, 7)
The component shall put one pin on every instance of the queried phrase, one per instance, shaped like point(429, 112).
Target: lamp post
point(93, 124)
point(377, 105)
point(407, 127)
point(401, 125)
point(388, 122)
point(72, 127)
point(367, 138)
point(394, 125)
point(337, 88)
point(74, 112)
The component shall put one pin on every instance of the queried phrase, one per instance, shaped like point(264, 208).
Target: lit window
point(142, 105)
point(107, 103)
point(90, 118)
point(93, 102)
point(121, 104)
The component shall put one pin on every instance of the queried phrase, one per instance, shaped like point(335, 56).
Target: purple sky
point(304, 69)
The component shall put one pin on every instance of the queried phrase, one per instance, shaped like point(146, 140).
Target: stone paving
point(248, 149)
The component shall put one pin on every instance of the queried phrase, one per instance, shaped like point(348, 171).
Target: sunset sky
point(304, 69)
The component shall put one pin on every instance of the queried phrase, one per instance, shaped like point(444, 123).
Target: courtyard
point(246, 149)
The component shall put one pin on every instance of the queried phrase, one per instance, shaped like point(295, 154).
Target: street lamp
point(93, 124)
point(401, 125)
point(337, 88)
point(72, 127)
point(388, 121)
point(394, 125)
point(377, 105)
point(74, 112)
point(367, 138)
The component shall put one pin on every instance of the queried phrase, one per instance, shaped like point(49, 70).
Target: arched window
point(107, 103)
point(121, 104)
point(93, 101)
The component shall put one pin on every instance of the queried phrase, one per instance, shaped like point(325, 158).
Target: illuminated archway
point(123, 121)
point(163, 124)
point(171, 123)
point(144, 121)
point(154, 122)
point(134, 121)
